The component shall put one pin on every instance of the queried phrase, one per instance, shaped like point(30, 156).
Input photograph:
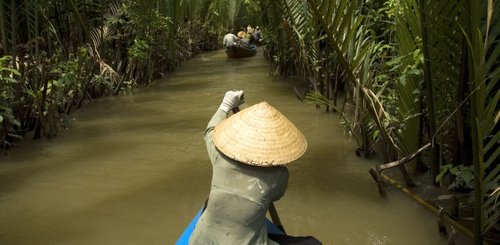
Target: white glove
point(232, 99)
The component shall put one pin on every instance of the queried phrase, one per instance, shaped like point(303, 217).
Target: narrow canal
point(133, 169)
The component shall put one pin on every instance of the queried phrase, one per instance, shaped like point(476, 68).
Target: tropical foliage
point(412, 72)
point(59, 54)
point(401, 73)
point(7, 83)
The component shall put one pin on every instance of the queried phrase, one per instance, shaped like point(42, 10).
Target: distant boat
point(238, 51)
point(184, 238)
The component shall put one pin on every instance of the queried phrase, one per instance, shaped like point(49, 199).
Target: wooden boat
point(240, 51)
point(184, 238)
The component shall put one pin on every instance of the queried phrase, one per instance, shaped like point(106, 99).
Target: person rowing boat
point(248, 152)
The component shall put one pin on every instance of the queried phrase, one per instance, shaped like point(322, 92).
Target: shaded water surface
point(133, 169)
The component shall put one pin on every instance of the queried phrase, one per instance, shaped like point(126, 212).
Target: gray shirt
point(239, 198)
point(229, 40)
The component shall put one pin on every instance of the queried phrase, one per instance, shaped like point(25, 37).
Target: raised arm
point(232, 99)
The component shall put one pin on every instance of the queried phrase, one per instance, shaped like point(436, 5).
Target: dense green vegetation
point(402, 73)
point(412, 72)
point(59, 54)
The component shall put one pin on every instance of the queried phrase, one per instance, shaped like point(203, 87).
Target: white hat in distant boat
point(260, 135)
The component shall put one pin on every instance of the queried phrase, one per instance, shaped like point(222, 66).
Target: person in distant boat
point(252, 44)
point(242, 33)
point(248, 43)
point(257, 35)
point(248, 152)
point(229, 39)
point(250, 29)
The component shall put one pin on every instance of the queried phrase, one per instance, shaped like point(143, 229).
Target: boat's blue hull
point(184, 238)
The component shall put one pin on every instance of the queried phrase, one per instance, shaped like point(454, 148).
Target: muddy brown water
point(133, 169)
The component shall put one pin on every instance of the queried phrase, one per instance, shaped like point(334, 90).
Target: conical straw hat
point(260, 135)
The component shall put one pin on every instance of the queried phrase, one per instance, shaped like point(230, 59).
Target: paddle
point(272, 209)
point(275, 218)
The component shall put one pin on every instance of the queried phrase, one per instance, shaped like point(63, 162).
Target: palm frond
point(482, 40)
point(407, 86)
point(489, 123)
point(337, 36)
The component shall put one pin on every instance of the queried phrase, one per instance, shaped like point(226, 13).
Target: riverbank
point(454, 219)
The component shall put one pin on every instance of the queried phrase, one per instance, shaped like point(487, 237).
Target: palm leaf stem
point(79, 18)
point(3, 27)
point(13, 30)
point(476, 54)
point(435, 155)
